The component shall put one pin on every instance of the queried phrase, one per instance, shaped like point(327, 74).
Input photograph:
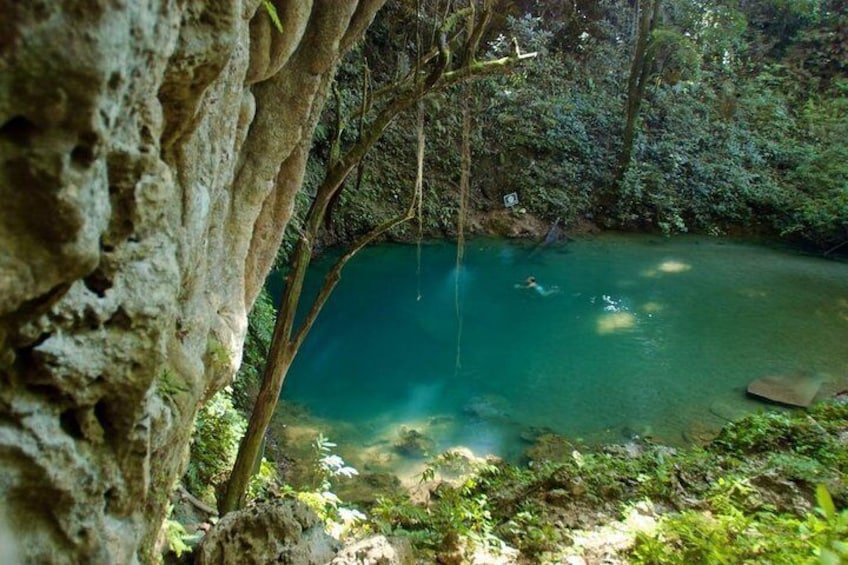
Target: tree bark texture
point(637, 81)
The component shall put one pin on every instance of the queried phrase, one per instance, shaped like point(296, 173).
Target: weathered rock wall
point(150, 153)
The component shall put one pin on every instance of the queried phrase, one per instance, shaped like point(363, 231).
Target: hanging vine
point(419, 176)
point(438, 70)
point(464, 182)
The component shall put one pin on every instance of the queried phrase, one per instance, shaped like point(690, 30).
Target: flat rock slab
point(794, 390)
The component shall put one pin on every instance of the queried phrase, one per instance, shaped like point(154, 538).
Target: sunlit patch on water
point(652, 307)
point(674, 267)
point(615, 321)
point(669, 267)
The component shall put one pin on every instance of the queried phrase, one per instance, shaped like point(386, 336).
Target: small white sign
point(510, 199)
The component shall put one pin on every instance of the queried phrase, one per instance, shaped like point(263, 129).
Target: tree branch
point(334, 276)
point(196, 502)
point(284, 343)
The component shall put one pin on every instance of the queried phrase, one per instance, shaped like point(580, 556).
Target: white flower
point(350, 515)
point(347, 472)
point(330, 498)
point(332, 462)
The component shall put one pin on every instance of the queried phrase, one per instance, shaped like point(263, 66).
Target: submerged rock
point(487, 407)
point(551, 447)
point(702, 431)
point(532, 433)
point(367, 487)
point(727, 411)
point(795, 390)
point(414, 444)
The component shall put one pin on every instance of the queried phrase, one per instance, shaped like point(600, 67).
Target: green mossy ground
point(748, 497)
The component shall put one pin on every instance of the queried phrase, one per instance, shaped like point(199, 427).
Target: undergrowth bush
point(728, 534)
point(217, 431)
point(742, 499)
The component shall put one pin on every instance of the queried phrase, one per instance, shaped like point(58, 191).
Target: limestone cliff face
point(150, 152)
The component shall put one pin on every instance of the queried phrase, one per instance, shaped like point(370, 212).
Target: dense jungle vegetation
point(739, 129)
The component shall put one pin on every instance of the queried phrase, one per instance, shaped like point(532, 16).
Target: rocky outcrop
point(376, 550)
point(150, 153)
point(288, 532)
point(285, 532)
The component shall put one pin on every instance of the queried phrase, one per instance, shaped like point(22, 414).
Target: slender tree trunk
point(636, 83)
point(279, 360)
point(286, 341)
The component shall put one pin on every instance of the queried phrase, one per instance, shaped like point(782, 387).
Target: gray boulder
point(283, 531)
point(376, 550)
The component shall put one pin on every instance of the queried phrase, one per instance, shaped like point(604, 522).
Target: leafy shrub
point(812, 434)
point(728, 534)
point(217, 431)
point(731, 537)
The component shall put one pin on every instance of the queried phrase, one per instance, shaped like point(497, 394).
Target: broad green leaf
point(840, 546)
point(825, 502)
point(827, 557)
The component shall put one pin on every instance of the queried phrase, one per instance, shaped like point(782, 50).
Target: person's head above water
point(530, 282)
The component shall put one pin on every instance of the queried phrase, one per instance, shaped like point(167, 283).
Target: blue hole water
point(641, 336)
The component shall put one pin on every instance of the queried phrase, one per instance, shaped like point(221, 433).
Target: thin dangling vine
point(419, 196)
point(464, 181)
point(419, 176)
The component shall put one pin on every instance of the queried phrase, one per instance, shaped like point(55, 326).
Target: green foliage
point(734, 501)
point(797, 467)
point(256, 345)
point(272, 13)
point(828, 529)
point(726, 537)
point(674, 56)
point(813, 434)
point(530, 531)
point(741, 127)
point(217, 355)
point(398, 514)
point(742, 524)
point(338, 519)
point(329, 465)
point(546, 136)
point(265, 483)
point(169, 385)
point(217, 431)
point(175, 535)
point(730, 534)
point(820, 174)
point(459, 511)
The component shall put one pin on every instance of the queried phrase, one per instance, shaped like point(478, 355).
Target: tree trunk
point(637, 81)
point(286, 340)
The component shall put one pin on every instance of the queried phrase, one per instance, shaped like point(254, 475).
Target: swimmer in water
point(530, 282)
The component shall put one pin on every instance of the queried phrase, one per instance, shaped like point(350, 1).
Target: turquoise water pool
point(643, 336)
